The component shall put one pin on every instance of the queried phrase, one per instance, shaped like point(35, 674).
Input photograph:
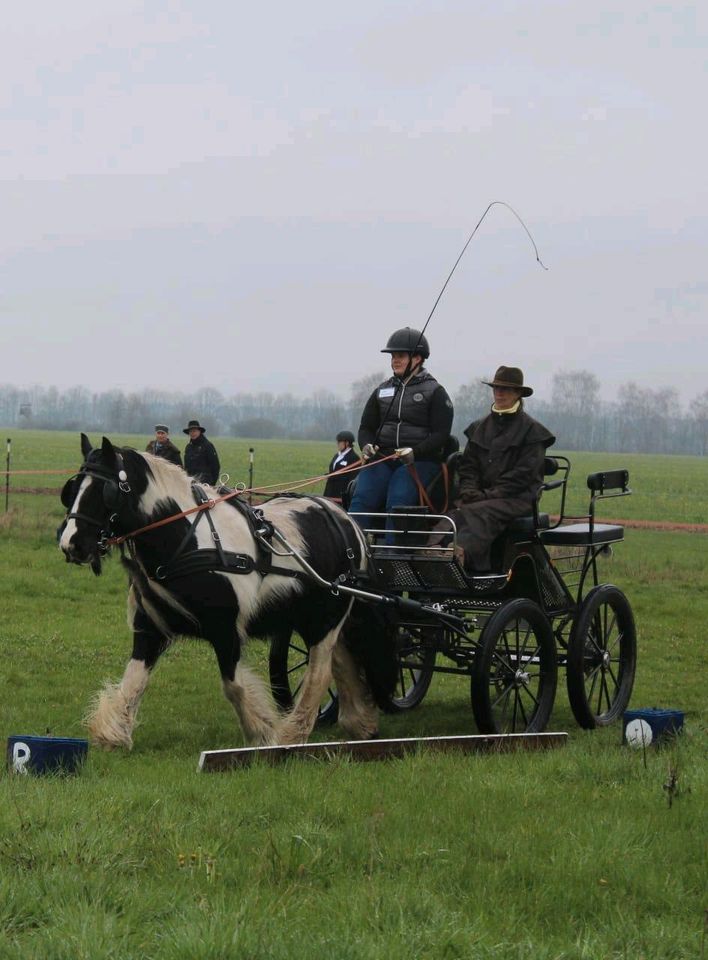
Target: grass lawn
point(574, 853)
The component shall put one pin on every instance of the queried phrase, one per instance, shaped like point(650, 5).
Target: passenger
point(501, 469)
point(163, 447)
point(409, 410)
point(344, 457)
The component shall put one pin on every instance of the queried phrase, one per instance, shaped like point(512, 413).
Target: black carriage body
point(543, 608)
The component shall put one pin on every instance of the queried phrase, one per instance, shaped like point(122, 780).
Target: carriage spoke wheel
point(416, 651)
point(287, 662)
point(513, 683)
point(602, 657)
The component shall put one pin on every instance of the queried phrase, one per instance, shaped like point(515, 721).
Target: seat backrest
point(598, 483)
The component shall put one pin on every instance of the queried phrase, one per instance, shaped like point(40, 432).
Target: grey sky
point(252, 196)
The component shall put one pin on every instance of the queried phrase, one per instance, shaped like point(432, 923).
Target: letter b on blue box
point(45, 754)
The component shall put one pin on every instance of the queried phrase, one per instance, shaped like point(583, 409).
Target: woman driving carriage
point(501, 469)
point(409, 410)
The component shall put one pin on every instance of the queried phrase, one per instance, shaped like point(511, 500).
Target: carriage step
point(212, 761)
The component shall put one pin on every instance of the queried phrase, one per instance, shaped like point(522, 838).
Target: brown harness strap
point(424, 499)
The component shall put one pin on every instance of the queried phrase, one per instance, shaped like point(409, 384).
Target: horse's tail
point(369, 635)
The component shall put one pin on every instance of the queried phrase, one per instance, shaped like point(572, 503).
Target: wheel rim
point(416, 658)
point(603, 663)
point(515, 677)
point(602, 656)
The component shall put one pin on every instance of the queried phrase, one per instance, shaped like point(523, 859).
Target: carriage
point(508, 632)
point(380, 612)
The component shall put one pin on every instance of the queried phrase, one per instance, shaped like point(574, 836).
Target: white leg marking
point(297, 725)
point(112, 718)
point(358, 714)
point(254, 706)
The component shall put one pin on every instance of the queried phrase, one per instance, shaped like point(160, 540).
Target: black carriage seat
point(611, 483)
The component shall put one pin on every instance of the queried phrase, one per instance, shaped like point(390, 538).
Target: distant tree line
point(640, 420)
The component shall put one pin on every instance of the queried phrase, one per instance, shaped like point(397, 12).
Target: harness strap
point(337, 523)
point(422, 492)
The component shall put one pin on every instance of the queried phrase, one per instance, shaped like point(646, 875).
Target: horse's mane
point(169, 480)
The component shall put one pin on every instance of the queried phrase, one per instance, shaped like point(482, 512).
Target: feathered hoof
point(110, 724)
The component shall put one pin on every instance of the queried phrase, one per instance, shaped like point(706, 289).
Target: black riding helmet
point(407, 340)
point(345, 436)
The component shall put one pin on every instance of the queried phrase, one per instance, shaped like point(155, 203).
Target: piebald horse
point(223, 574)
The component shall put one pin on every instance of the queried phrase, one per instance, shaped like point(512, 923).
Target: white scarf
point(513, 409)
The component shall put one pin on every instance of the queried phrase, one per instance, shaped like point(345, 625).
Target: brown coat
point(500, 474)
point(167, 450)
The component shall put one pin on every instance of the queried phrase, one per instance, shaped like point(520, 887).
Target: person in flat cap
point(201, 460)
point(501, 469)
point(163, 447)
point(345, 456)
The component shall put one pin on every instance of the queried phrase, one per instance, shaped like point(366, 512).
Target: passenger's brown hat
point(510, 377)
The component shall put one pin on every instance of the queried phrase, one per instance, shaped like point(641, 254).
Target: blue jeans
point(387, 485)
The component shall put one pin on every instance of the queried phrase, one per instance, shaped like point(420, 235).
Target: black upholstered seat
point(578, 534)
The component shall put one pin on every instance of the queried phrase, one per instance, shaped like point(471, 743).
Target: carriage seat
point(608, 483)
point(582, 534)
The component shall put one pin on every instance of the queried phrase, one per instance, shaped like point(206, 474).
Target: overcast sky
point(254, 195)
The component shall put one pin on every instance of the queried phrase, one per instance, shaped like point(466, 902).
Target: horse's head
point(99, 501)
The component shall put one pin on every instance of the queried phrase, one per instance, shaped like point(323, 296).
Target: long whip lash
point(494, 203)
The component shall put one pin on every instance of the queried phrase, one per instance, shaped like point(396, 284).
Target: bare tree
point(362, 389)
point(699, 411)
point(576, 392)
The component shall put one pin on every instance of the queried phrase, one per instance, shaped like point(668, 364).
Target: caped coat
point(500, 474)
point(336, 486)
point(166, 450)
point(201, 460)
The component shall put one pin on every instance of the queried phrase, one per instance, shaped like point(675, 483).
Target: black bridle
point(113, 486)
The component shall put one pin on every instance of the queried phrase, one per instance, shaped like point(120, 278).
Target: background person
point(344, 457)
point(501, 470)
point(163, 447)
point(201, 460)
point(409, 410)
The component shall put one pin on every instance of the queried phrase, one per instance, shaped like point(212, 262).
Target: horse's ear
point(108, 454)
point(85, 446)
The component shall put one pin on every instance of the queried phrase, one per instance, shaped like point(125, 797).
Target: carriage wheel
point(602, 657)
point(287, 661)
point(416, 652)
point(513, 683)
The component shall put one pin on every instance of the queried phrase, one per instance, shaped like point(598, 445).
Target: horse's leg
point(297, 725)
point(358, 714)
point(245, 691)
point(112, 718)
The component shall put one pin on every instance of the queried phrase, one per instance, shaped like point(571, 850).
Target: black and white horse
point(226, 578)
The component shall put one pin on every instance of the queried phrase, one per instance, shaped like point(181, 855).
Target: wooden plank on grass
point(212, 761)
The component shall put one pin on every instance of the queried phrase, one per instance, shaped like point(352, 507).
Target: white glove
point(368, 451)
point(405, 455)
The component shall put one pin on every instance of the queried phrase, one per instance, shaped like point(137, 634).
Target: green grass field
point(575, 853)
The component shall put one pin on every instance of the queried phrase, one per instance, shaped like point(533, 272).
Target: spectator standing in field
point(201, 460)
point(344, 457)
point(163, 447)
point(411, 413)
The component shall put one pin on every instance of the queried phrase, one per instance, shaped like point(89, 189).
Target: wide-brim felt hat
point(511, 377)
point(193, 425)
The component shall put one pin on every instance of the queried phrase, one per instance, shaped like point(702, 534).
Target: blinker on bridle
point(111, 490)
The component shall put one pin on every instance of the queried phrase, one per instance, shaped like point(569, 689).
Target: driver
point(410, 411)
